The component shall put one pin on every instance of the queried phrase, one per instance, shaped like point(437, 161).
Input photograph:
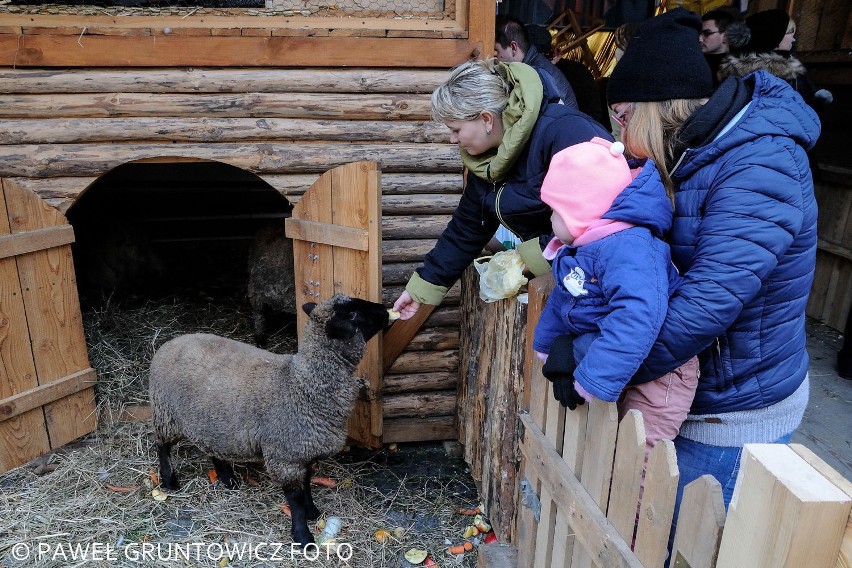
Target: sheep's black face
point(353, 315)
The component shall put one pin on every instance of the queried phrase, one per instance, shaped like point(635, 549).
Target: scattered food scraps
point(416, 555)
point(119, 489)
point(382, 535)
point(159, 495)
point(285, 508)
point(324, 482)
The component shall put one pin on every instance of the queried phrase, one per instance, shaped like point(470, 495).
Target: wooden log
point(425, 362)
point(435, 339)
point(60, 160)
point(490, 390)
point(406, 250)
point(418, 382)
point(390, 106)
point(398, 272)
point(422, 405)
point(423, 204)
point(444, 316)
point(414, 226)
point(391, 293)
point(419, 429)
point(214, 128)
point(783, 513)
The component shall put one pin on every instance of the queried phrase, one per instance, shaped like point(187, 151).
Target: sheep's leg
point(311, 511)
point(225, 473)
point(295, 494)
point(260, 326)
point(168, 478)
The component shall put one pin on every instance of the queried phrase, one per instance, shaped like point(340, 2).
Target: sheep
point(239, 403)
point(271, 284)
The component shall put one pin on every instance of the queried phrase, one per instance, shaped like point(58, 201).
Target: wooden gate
point(46, 384)
point(336, 232)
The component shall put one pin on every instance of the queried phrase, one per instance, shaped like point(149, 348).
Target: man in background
point(713, 38)
point(512, 43)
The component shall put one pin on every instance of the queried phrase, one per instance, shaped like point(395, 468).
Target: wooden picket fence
point(578, 475)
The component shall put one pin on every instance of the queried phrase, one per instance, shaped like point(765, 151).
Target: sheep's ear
point(309, 307)
point(342, 329)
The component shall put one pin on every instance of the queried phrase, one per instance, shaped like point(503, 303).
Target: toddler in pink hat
point(614, 277)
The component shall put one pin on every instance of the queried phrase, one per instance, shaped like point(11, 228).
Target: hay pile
point(99, 490)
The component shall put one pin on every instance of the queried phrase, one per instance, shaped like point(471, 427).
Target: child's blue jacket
point(612, 294)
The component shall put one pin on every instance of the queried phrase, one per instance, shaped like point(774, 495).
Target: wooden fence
point(577, 477)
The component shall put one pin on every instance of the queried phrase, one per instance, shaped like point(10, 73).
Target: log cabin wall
point(282, 96)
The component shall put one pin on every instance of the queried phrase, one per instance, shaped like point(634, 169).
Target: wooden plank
point(397, 338)
point(598, 457)
point(406, 250)
point(24, 437)
point(35, 397)
point(356, 203)
point(627, 474)
point(844, 559)
point(39, 239)
point(699, 524)
point(327, 234)
point(75, 160)
point(219, 51)
point(783, 513)
point(414, 226)
point(193, 80)
point(214, 128)
point(836, 250)
point(53, 316)
point(426, 362)
point(419, 429)
point(657, 507)
point(590, 526)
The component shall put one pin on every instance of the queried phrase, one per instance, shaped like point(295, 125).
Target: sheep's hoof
point(171, 483)
point(300, 543)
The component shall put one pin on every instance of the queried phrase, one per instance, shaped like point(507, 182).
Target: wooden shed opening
point(163, 249)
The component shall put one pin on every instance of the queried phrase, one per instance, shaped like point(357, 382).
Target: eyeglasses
point(620, 117)
point(708, 33)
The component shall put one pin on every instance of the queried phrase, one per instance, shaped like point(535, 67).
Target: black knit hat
point(663, 61)
point(767, 30)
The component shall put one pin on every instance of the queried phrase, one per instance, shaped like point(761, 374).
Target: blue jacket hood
point(790, 116)
point(644, 202)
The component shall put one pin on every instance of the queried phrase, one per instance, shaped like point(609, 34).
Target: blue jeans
point(695, 459)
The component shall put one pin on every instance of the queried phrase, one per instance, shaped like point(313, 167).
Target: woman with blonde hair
point(507, 131)
point(743, 237)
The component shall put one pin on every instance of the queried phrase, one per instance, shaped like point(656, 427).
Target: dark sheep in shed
point(271, 284)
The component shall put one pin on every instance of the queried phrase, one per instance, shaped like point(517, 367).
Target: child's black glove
point(559, 369)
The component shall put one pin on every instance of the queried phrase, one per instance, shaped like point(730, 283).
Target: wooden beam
point(327, 234)
point(600, 539)
point(836, 250)
point(218, 51)
point(419, 429)
point(47, 393)
point(38, 239)
point(397, 338)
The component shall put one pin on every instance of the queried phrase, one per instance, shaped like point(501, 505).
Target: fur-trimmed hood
point(783, 67)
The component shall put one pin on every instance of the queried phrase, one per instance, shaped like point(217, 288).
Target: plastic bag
point(500, 276)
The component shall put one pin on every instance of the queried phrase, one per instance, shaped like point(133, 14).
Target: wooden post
point(783, 513)
point(491, 363)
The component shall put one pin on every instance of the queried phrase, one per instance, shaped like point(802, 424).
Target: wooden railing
point(578, 476)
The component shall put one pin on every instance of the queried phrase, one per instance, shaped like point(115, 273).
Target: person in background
point(766, 42)
point(614, 276)
point(512, 43)
point(507, 133)
point(714, 37)
point(743, 238)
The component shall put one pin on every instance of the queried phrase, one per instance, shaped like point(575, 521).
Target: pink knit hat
point(583, 180)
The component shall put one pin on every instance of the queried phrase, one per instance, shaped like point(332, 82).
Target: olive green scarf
point(519, 118)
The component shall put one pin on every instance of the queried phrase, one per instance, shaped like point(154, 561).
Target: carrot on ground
point(120, 489)
point(285, 508)
point(469, 512)
point(461, 548)
point(211, 473)
point(324, 482)
point(155, 479)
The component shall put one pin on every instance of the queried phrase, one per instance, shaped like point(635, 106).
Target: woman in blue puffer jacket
point(743, 238)
point(507, 128)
